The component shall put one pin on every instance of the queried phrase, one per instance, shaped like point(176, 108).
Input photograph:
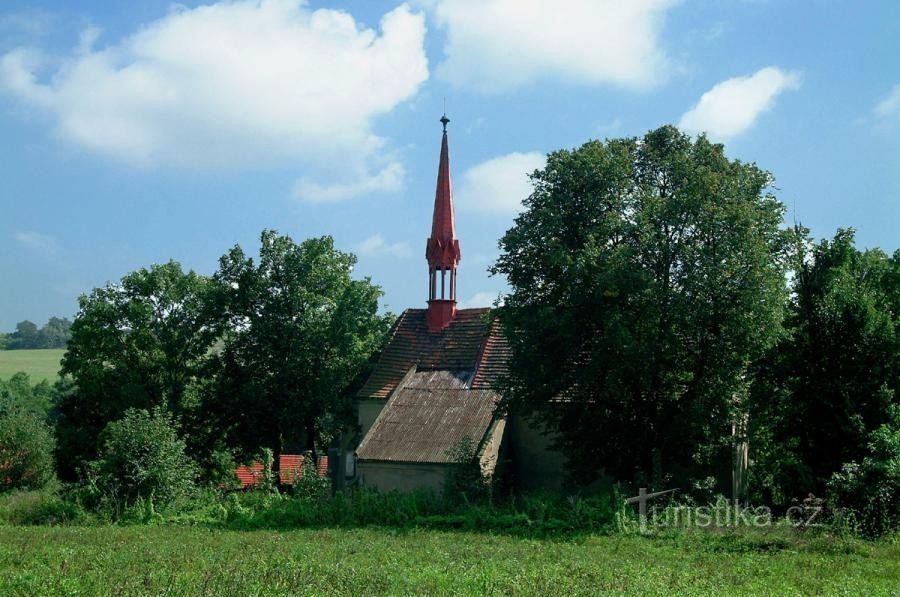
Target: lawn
point(39, 364)
point(168, 559)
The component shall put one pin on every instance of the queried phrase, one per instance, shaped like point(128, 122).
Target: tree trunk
point(311, 442)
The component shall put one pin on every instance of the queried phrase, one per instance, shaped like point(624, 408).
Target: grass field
point(39, 364)
point(178, 560)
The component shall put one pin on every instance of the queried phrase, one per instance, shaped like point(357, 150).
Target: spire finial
point(444, 120)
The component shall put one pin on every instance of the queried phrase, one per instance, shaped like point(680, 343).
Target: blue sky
point(144, 131)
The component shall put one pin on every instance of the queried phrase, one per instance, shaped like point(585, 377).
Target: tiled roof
point(458, 347)
point(427, 417)
point(494, 360)
point(291, 465)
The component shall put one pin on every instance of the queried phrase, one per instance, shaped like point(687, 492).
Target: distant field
point(184, 560)
point(39, 364)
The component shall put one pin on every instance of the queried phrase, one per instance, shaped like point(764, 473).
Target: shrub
point(43, 506)
point(26, 450)
point(464, 482)
point(869, 492)
point(309, 485)
point(142, 458)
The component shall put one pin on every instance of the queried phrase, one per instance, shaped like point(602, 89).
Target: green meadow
point(193, 560)
point(39, 364)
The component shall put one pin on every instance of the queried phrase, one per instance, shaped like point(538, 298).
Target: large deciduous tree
point(301, 329)
point(141, 343)
point(645, 274)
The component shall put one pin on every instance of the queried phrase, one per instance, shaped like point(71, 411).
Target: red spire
point(442, 248)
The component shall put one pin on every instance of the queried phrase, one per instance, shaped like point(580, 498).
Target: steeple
point(442, 248)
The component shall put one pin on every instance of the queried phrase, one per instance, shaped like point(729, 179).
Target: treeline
point(171, 377)
point(54, 334)
point(665, 328)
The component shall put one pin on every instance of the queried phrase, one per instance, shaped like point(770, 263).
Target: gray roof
point(427, 417)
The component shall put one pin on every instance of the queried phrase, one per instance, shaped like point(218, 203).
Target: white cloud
point(376, 246)
point(40, 243)
point(500, 184)
point(495, 45)
point(889, 107)
point(732, 106)
point(237, 83)
point(388, 180)
point(481, 299)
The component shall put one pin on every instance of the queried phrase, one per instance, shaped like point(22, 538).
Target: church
point(431, 390)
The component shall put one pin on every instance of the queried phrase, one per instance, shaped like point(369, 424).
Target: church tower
point(442, 248)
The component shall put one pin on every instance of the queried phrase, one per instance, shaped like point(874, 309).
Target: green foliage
point(142, 459)
point(308, 484)
point(302, 329)
point(646, 275)
point(870, 490)
point(141, 343)
point(18, 391)
point(26, 449)
point(832, 380)
point(40, 507)
point(529, 515)
point(54, 334)
point(465, 482)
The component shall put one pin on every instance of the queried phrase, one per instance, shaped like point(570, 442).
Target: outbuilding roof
point(426, 418)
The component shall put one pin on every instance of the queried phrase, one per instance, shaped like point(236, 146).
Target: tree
point(301, 329)
point(144, 342)
point(142, 457)
point(25, 336)
point(820, 394)
point(26, 449)
point(18, 392)
point(55, 333)
point(871, 489)
point(646, 275)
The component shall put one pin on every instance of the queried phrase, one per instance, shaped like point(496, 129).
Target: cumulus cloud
point(376, 246)
point(37, 242)
point(236, 83)
point(388, 180)
point(498, 185)
point(494, 45)
point(732, 106)
point(889, 107)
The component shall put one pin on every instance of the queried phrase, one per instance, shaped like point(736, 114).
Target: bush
point(869, 492)
point(39, 507)
point(26, 450)
point(141, 459)
point(464, 482)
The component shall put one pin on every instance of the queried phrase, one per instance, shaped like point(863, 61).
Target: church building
point(431, 391)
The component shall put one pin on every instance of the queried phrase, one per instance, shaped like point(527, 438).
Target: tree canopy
point(300, 331)
point(834, 377)
point(646, 275)
point(143, 342)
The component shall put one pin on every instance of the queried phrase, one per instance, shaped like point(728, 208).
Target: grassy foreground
point(38, 364)
point(116, 560)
